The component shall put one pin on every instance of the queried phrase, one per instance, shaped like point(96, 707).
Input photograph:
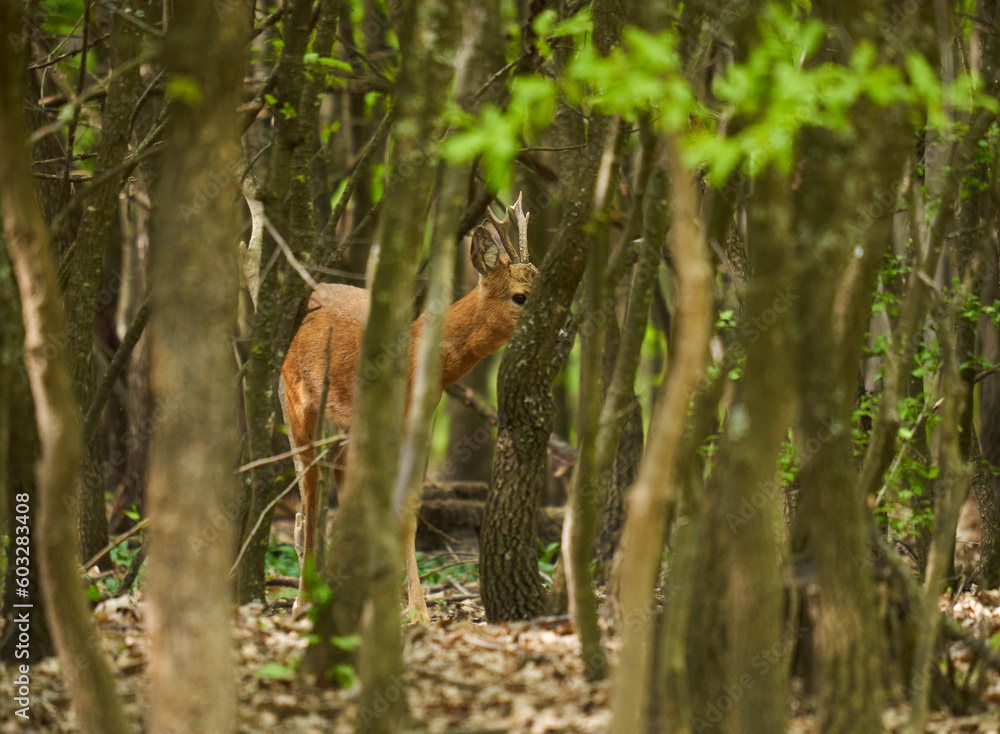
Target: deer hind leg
point(300, 423)
point(407, 541)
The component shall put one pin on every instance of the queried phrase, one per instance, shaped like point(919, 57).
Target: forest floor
point(461, 674)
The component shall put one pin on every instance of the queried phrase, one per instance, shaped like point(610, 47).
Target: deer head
point(505, 275)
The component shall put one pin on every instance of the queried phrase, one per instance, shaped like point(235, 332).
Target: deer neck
point(467, 337)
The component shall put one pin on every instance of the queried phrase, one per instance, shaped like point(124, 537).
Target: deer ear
point(485, 250)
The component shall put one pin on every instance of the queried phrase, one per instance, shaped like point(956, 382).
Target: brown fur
point(475, 327)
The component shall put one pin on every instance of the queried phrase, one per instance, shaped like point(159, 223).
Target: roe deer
point(475, 327)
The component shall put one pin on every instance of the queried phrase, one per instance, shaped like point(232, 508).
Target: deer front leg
point(407, 541)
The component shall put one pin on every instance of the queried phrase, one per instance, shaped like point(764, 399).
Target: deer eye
point(519, 298)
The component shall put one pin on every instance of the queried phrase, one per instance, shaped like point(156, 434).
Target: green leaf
point(326, 131)
point(344, 675)
point(185, 89)
point(543, 22)
point(347, 643)
point(275, 671)
point(581, 22)
point(994, 641)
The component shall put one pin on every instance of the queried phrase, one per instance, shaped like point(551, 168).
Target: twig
point(141, 525)
point(556, 148)
point(130, 17)
point(122, 354)
point(61, 57)
point(438, 569)
point(272, 503)
point(145, 94)
point(266, 22)
point(133, 572)
point(303, 273)
point(559, 450)
point(62, 159)
point(986, 373)
point(458, 587)
point(78, 177)
point(75, 120)
point(289, 454)
point(489, 82)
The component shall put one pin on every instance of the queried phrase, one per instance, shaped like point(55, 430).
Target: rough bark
point(88, 255)
point(194, 282)
point(511, 586)
point(623, 476)
point(91, 686)
point(288, 206)
point(988, 484)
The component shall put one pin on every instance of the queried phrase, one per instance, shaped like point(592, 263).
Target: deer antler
point(519, 255)
point(522, 227)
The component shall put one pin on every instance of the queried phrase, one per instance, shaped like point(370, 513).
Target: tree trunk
point(988, 486)
point(656, 490)
point(287, 199)
point(602, 417)
point(511, 586)
point(135, 258)
point(88, 253)
point(745, 471)
point(194, 283)
point(623, 476)
point(98, 708)
point(18, 454)
point(377, 428)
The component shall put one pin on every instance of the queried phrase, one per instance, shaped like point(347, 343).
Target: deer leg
point(407, 540)
point(299, 424)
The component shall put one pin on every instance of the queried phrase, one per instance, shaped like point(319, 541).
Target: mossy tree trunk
point(288, 203)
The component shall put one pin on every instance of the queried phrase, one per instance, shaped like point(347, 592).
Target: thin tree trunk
point(287, 197)
point(376, 432)
point(19, 452)
point(601, 429)
point(511, 586)
point(377, 428)
point(91, 686)
point(656, 490)
point(746, 471)
point(950, 489)
point(88, 254)
point(988, 486)
point(194, 296)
